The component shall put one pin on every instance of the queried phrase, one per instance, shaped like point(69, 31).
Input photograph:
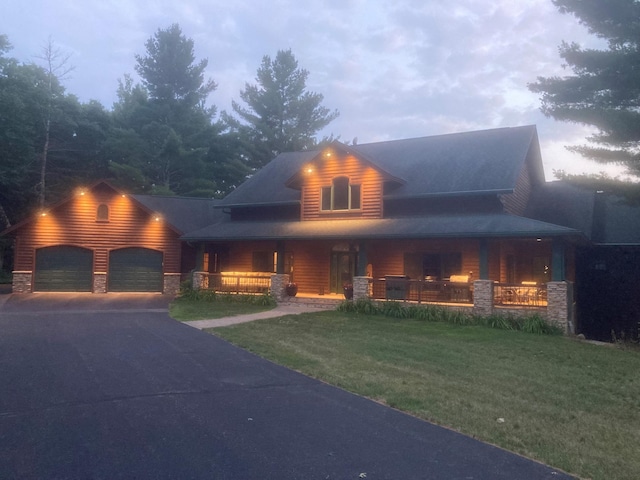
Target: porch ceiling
point(435, 226)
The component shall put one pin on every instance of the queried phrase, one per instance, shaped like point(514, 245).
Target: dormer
point(341, 183)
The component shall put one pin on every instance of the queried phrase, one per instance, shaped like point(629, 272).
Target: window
point(264, 262)
point(341, 195)
point(102, 215)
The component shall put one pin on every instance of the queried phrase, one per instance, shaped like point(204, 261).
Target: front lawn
point(186, 309)
point(572, 405)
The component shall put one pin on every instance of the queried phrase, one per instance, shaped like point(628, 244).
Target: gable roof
point(184, 213)
point(480, 161)
point(563, 204)
point(617, 219)
point(460, 163)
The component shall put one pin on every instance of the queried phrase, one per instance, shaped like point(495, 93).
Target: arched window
point(102, 215)
point(341, 195)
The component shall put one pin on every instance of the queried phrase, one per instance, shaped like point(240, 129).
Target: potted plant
point(291, 289)
point(347, 290)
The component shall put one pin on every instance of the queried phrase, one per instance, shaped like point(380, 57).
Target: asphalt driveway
point(108, 386)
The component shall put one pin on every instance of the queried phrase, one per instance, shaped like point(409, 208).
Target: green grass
point(572, 405)
point(186, 309)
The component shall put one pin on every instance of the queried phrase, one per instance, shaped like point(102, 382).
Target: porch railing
point(238, 282)
point(531, 295)
point(421, 291)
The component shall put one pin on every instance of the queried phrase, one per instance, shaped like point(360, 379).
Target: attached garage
point(135, 270)
point(99, 239)
point(63, 268)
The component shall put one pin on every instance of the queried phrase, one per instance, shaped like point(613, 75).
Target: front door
point(343, 268)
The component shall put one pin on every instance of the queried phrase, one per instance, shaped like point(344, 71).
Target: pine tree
point(604, 90)
point(281, 115)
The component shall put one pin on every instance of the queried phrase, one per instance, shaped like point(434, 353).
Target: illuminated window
point(341, 195)
point(102, 215)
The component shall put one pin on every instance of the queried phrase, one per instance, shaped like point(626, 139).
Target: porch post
point(483, 297)
point(484, 259)
point(557, 260)
point(362, 260)
point(280, 257)
point(200, 257)
point(560, 305)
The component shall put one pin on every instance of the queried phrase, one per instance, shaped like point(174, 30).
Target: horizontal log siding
point(358, 173)
point(74, 223)
point(311, 265)
point(241, 255)
point(387, 257)
point(516, 202)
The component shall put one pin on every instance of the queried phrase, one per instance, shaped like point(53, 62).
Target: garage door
point(135, 270)
point(63, 268)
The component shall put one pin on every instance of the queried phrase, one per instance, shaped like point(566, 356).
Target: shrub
point(537, 324)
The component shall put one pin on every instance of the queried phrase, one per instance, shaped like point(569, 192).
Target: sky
point(394, 69)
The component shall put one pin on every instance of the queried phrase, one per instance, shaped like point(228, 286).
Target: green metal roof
point(184, 213)
point(435, 226)
point(459, 163)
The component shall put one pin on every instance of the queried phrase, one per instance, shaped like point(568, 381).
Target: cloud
point(394, 69)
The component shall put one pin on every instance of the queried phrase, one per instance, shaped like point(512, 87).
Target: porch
point(552, 300)
point(484, 276)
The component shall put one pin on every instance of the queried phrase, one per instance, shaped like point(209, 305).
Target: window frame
point(349, 194)
point(102, 213)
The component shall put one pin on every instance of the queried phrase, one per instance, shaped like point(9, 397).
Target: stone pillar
point(99, 282)
point(361, 288)
point(200, 280)
point(22, 282)
point(483, 297)
point(278, 286)
point(560, 305)
point(171, 284)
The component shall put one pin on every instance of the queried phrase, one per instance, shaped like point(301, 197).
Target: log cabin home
point(464, 220)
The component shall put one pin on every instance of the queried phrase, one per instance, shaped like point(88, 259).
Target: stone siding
point(278, 287)
point(22, 282)
point(361, 288)
point(483, 297)
point(200, 280)
point(99, 282)
point(171, 284)
point(560, 305)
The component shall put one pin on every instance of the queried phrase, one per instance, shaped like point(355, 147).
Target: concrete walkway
point(279, 311)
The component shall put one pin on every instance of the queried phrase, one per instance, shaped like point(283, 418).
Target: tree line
point(160, 137)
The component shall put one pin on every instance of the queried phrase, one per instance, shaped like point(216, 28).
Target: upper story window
point(102, 214)
point(341, 195)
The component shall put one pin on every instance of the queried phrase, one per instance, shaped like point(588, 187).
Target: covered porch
point(483, 275)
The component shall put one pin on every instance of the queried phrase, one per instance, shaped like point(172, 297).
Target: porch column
point(278, 287)
point(557, 260)
point(362, 263)
point(200, 280)
point(361, 288)
point(484, 259)
point(560, 305)
point(280, 257)
point(483, 297)
point(200, 257)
